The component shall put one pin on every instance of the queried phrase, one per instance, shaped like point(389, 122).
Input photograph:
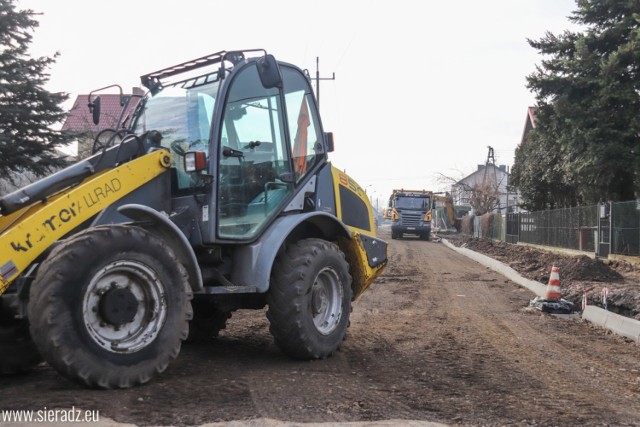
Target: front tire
point(110, 307)
point(309, 299)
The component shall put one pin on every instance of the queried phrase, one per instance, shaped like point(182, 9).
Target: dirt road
point(437, 338)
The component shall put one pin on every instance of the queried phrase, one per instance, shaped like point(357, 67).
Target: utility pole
point(491, 161)
point(486, 186)
point(318, 78)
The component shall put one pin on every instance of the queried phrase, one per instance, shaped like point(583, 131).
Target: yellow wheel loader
point(216, 195)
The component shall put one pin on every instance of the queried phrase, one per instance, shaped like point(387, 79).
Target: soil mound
point(579, 274)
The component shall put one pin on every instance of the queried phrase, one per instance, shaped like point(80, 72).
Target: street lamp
point(375, 192)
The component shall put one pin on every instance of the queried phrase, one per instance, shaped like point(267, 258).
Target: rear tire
point(309, 299)
point(110, 307)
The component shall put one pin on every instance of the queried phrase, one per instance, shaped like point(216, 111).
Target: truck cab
point(410, 213)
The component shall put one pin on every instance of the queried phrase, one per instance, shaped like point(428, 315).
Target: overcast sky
point(421, 88)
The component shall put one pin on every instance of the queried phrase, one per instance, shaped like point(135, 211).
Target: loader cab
point(255, 124)
point(270, 140)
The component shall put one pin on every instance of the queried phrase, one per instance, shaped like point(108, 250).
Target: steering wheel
point(178, 149)
point(197, 145)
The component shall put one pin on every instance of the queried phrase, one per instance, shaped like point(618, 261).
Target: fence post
point(611, 230)
point(603, 246)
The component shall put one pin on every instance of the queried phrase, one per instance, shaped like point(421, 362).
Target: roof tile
point(80, 118)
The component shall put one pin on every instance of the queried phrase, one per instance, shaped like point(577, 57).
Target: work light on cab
point(195, 161)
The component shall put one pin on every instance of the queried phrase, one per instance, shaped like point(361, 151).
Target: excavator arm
point(447, 202)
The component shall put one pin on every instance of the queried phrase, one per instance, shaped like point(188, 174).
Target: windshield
point(182, 114)
point(412, 203)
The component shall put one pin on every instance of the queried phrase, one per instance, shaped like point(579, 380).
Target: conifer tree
point(27, 110)
point(586, 144)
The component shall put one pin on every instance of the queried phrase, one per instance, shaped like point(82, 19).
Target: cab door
point(254, 162)
point(271, 140)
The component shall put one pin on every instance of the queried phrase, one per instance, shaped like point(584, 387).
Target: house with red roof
point(115, 109)
point(529, 124)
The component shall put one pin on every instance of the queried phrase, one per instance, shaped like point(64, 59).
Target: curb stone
point(617, 324)
point(620, 325)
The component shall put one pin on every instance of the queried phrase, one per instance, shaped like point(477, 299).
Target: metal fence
point(625, 228)
point(572, 228)
point(490, 226)
point(601, 229)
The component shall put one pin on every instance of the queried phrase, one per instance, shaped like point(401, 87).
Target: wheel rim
point(326, 301)
point(124, 307)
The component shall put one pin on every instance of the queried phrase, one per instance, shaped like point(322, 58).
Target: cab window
point(305, 137)
point(253, 158)
point(182, 115)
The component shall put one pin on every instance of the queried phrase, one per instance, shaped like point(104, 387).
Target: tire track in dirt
point(526, 340)
point(485, 358)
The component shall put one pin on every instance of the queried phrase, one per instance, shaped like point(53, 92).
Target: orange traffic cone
point(553, 287)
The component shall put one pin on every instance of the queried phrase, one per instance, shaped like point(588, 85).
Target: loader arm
point(31, 230)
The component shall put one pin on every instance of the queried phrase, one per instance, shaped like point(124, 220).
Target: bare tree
point(483, 196)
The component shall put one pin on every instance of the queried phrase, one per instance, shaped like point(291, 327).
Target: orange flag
point(300, 141)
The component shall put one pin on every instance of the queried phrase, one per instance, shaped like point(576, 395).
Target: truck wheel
point(110, 307)
point(309, 299)
point(18, 353)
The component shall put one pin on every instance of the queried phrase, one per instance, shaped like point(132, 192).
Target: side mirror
point(328, 137)
point(94, 108)
point(389, 213)
point(269, 72)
